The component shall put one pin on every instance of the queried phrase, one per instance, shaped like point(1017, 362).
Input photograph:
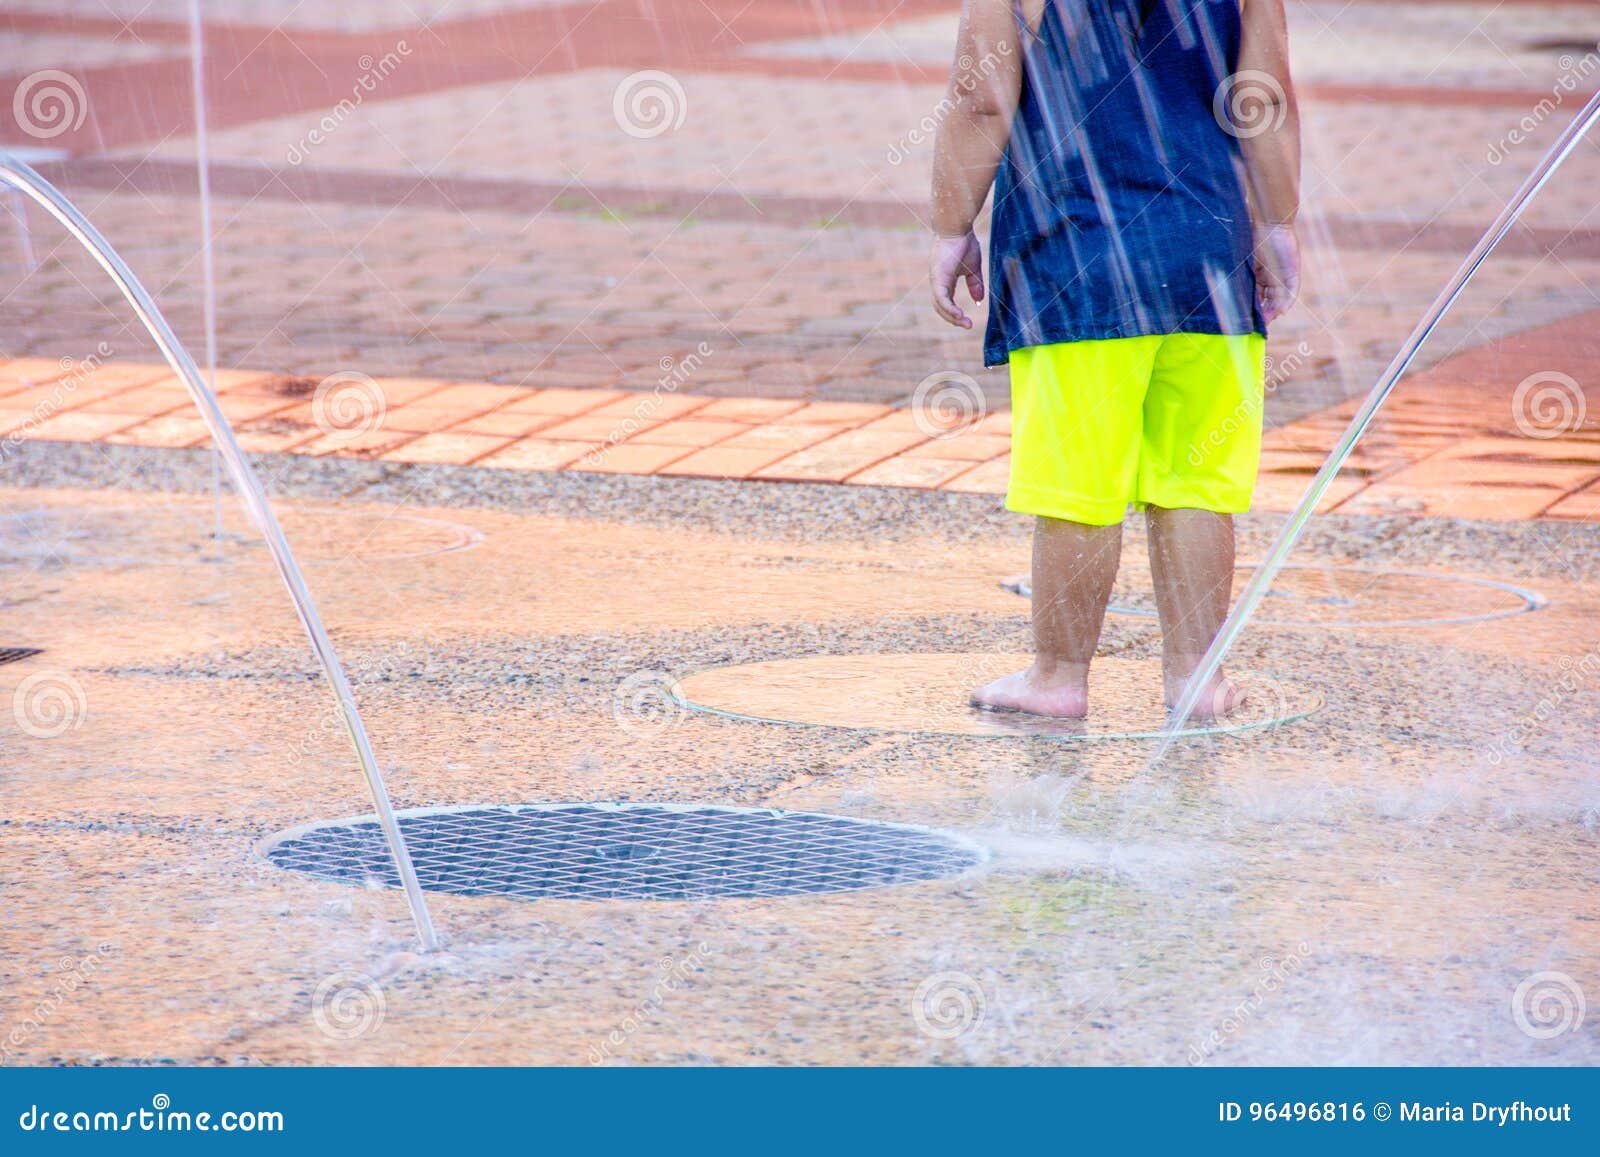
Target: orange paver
point(152, 399)
point(248, 407)
point(719, 462)
point(503, 424)
point(267, 439)
point(653, 407)
point(536, 454)
point(562, 400)
point(73, 426)
point(629, 459)
point(1449, 443)
point(963, 447)
point(446, 449)
point(841, 456)
point(1584, 505)
point(786, 435)
point(354, 443)
point(593, 428)
point(175, 431)
point(988, 478)
point(921, 473)
point(750, 409)
point(689, 432)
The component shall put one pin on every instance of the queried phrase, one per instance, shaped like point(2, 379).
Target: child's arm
point(982, 96)
point(1271, 148)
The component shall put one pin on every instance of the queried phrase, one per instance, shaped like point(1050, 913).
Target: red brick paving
point(1448, 445)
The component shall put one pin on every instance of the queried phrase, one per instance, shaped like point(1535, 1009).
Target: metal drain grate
point(13, 654)
point(628, 852)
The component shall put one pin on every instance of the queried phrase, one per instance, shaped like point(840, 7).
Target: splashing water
point(1272, 562)
point(18, 175)
point(208, 261)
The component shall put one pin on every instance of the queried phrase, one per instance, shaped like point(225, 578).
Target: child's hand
point(1277, 270)
point(954, 258)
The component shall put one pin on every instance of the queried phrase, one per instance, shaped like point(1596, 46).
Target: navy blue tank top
point(1119, 207)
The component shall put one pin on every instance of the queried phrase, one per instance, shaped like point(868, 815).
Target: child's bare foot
point(1220, 697)
point(1060, 692)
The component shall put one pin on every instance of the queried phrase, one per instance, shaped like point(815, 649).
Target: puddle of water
point(1347, 596)
point(927, 694)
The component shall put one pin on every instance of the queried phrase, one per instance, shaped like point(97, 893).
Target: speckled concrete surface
point(1394, 880)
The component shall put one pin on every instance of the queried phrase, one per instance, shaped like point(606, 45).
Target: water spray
point(18, 175)
point(1273, 560)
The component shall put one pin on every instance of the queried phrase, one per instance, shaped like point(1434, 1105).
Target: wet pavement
point(1373, 882)
point(556, 398)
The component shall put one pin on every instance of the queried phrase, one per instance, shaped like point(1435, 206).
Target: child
point(1142, 237)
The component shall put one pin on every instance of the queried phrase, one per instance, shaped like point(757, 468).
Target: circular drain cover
point(178, 534)
point(627, 852)
point(1312, 594)
point(927, 694)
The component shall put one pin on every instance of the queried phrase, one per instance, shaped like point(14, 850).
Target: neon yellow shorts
point(1172, 421)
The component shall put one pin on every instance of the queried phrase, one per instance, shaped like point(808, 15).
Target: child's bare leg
point(1191, 559)
point(1073, 568)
